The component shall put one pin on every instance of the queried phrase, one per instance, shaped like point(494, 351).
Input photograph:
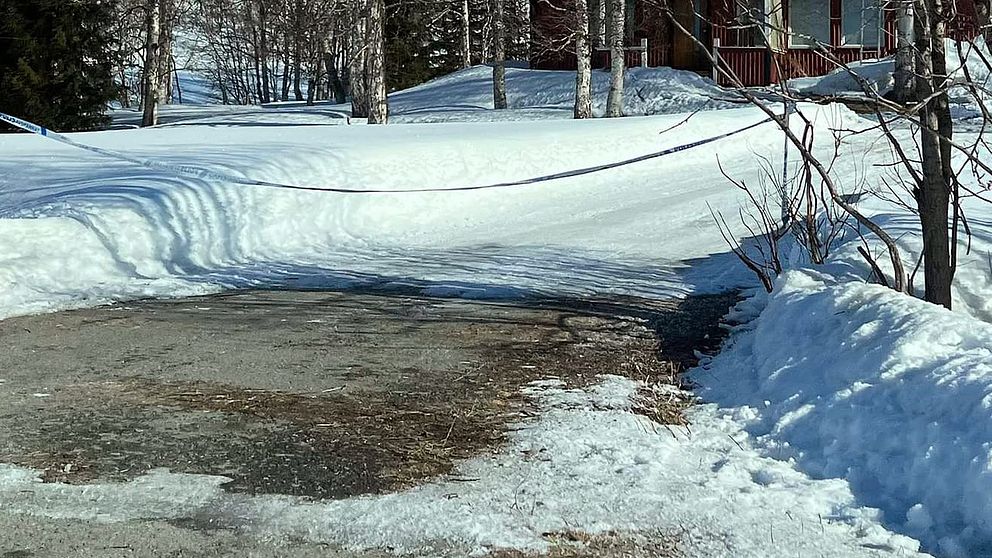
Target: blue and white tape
point(204, 174)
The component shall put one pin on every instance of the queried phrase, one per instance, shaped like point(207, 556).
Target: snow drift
point(466, 96)
point(544, 93)
point(892, 394)
point(80, 229)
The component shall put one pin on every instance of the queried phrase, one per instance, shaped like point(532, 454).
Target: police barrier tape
point(204, 174)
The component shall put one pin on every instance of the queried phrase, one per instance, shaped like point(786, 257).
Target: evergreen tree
point(408, 36)
point(56, 64)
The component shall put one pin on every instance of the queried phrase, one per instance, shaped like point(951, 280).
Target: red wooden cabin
point(742, 32)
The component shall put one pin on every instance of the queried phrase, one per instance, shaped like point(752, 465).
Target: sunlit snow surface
point(80, 228)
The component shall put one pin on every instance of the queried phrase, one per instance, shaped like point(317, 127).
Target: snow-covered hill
point(466, 96)
point(85, 228)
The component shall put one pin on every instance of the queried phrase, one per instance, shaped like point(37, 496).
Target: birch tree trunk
point(903, 90)
point(466, 36)
point(615, 31)
point(151, 79)
point(499, 55)
point(357, 63)
point(583, 52)
point(933, 193)
point(166, 62)
point(376, 66)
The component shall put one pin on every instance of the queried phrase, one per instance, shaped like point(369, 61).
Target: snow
point(551, 94)
point(969, 62)
point(859, 412)
point(854, 381)
point(195, 89)
point(464, 96)
point(587, 464)
point(85, 229)
point(877, 74)
point(857, 382)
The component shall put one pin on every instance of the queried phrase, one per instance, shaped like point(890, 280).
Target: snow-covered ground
point(880, 396)
point(854, 381)
point(547, 94)
point(464, 96)
point(851, 380)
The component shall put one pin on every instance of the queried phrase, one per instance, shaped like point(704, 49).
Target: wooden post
point(716, 60)
point(644, 53)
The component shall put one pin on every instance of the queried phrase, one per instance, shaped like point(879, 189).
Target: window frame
point(792, 44)
point(880, 23)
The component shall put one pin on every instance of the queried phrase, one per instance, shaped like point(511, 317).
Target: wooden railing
point(757, 66)
point(634, 54)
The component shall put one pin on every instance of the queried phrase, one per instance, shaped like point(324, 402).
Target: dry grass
point(577, 544)
point(341, 444)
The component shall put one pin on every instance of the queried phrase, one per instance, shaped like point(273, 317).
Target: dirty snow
point(587, 464)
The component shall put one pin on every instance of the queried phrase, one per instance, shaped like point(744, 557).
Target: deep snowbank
point(79, 229)
point(894, 395)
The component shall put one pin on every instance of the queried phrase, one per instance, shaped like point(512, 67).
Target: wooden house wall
point(753, 63)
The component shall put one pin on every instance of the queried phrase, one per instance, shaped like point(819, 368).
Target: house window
point(809, 22)
point(630, 19)
point(860, 22)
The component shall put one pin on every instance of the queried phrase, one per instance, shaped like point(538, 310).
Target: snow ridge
point(857, 382)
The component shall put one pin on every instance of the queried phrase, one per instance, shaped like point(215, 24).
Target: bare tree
point(922, 160)
point(935, 182)
point(357, 79)
point(499, 54)
point(583, 53)
point(616, 27)
point(596, 22)
point(259, 50)
point(983, 9)
point(466, 34)
point(376, 63)
point(152, 81)
point(166, 58)
point(904, 88)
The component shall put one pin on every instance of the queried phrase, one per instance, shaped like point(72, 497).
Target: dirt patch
point(576, 544)
point(405, 387)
